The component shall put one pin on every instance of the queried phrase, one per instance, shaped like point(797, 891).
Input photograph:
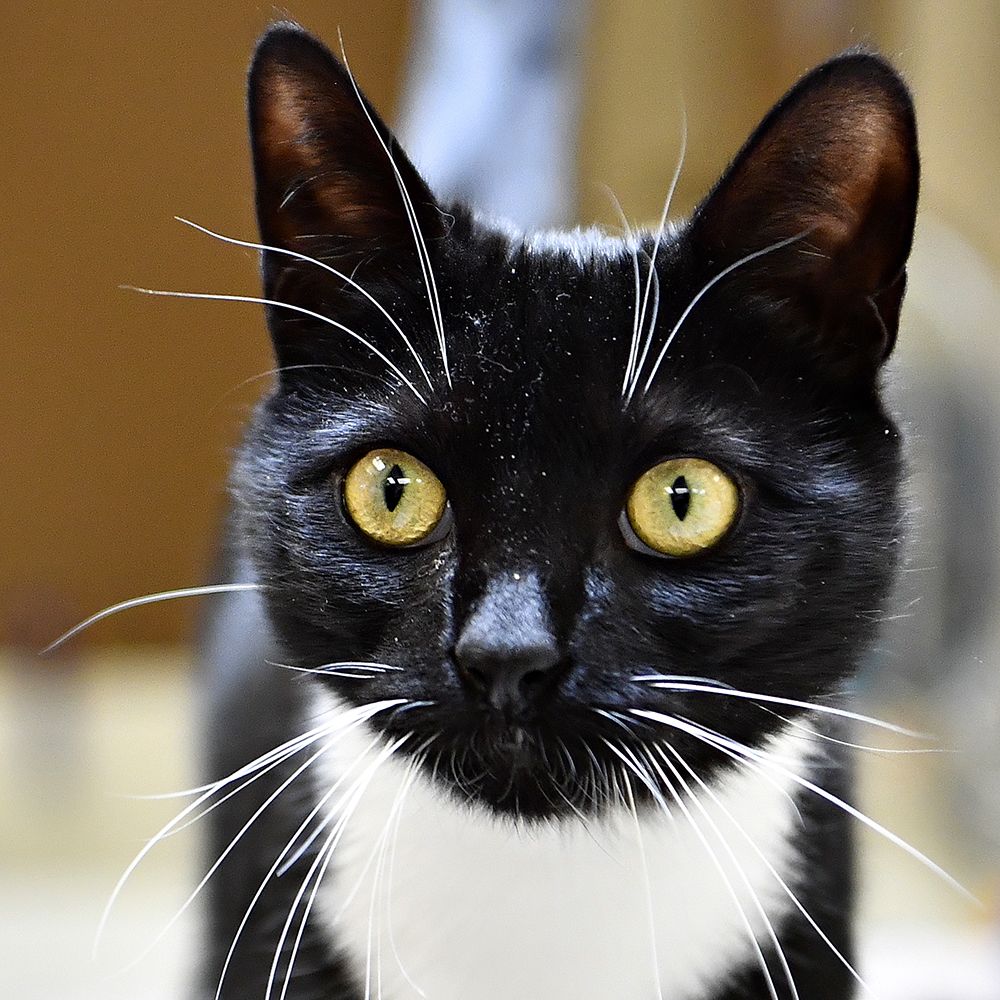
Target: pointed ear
point(332, 182)
point(834, 164)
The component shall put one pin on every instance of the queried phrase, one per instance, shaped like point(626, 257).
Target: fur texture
point(532, 697)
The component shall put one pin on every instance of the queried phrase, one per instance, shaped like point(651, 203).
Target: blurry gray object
point(491, 105)
point(944, 646)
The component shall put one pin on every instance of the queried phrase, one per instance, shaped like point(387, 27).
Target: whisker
point(416, 763)
point(632, 763)
point(351, 669)
point(317, 870)
point(328, 850)
point(633, 244)
point(138, 602)
point(793, 898)
point(624, 722)
point(231, 846)
point(255, 300)
point(704, 289)
point(423, 255)
point(306, 845)
point(727, 847)
point(679, 679)
point(770, 761)
point(250, 771)
point(648, 889)
point(378, 896)
point(654, 280)
point(326, 267)
point(634, 373)
point(283, 862)
point(636, 364)
point(867, 748)
point(715, 687)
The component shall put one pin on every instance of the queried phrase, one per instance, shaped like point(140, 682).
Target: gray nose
point(506, 650)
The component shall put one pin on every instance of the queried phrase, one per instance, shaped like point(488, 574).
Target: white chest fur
point(430, 900)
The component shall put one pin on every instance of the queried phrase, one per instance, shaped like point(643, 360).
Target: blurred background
point(119, 410)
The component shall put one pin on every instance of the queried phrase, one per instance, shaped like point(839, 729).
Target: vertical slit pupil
point(394, 487)
point(680, 497)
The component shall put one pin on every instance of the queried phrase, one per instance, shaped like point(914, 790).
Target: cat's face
point(554, 501)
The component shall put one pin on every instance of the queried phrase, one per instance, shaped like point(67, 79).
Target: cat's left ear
point(833, 169)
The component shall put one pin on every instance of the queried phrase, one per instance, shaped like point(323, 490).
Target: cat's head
point(570, 492)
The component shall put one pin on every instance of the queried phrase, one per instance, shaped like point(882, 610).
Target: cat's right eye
point(394, 498)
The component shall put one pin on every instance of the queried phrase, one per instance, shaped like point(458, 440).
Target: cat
point(550, 557)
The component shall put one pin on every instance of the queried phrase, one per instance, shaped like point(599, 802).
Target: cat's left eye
point(394, 498)
point(680, 508)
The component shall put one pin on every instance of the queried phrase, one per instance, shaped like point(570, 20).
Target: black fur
point(772, 376)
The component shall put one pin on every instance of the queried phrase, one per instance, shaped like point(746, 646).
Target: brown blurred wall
point(119, 409)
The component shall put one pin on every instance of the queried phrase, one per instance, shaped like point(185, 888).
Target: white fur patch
point(431, 900)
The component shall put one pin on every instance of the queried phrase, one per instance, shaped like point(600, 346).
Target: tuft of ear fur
point(332, 182)
point(834, 163)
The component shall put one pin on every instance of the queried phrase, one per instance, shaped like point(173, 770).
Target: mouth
point(558, 759)
point(527, 770)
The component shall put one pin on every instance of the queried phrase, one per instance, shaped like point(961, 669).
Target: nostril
point(533, 680)
point(479, 678)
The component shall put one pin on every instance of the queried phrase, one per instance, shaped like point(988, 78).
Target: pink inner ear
point(305, 191)
point(863, 222)
point(322, 161)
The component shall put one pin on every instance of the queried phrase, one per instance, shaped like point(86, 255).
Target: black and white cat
point(560, 549)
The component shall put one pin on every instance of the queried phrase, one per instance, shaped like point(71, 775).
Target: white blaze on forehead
point(460, 905)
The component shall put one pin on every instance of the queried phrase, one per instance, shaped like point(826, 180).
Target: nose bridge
point(513, 609)
point(523, 566)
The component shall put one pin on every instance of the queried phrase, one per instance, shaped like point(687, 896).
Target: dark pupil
point(394, 487)
point(680, 497)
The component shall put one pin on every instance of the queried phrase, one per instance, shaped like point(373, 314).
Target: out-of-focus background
point(119, 410)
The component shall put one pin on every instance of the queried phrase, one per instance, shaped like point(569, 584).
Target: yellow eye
point(393, 497)
point(682, 506)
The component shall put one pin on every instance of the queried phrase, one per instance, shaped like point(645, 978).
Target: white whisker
point(793, 898)
point(246, 776)
point(704, 289)
point(727, 847)
point(317, 870)
point(633, 245)
point(380, 899)
point(648, 890)
point(615, 717)
point(633, 764)
point(634, 373)
point(328, 850)
point(138, 602)
point(250, 772)
point(416, 762)
point(714, 687)
point(326, 267)
point(256, 300)
point(749, 753)
point(285, 859)
point(654, 280)
point(423, 255)
point(351, 669)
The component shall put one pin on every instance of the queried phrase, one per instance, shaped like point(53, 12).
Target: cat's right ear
point(332, 182)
